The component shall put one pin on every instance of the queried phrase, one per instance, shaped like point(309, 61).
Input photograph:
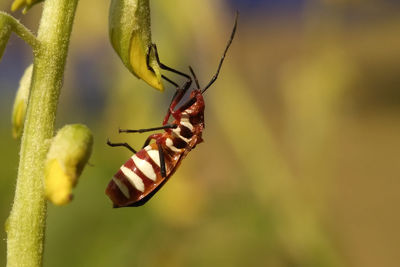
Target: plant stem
point(20, 30)
point(26, 223)
point(9, 24)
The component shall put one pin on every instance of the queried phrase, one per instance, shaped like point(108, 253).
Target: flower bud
point(69, 152)
point(130, 35)
point(21, 103)
point(26, 4)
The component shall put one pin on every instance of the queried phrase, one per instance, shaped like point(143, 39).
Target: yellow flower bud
point(130, 35)
point(69, 152)
point(21, 103)
point(26, 4)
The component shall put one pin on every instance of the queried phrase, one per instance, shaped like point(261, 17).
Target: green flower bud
point(26, 4)
point(130, 35)
point(21, 103)
point(68, 154)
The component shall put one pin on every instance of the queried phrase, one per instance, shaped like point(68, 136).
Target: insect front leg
point(153, 47)
point(179, 93)
point(121, 144)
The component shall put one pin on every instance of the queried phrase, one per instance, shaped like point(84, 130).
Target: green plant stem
point(9, 24)
point(26, 223)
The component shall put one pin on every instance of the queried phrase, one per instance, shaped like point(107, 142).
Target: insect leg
point(153, 136)
point(121, 144)
point(162, 66)
point(162, 160)
point(167, 126)
point(179, 93)
point(170, 81)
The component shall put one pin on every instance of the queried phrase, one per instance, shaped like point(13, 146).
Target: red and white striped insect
point(152, 166)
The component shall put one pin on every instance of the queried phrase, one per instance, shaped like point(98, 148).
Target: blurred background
point(300, 164)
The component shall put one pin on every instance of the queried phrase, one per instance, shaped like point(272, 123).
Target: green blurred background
point(300, 164)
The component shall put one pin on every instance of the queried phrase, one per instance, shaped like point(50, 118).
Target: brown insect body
point(152, 166)
point(175, 144)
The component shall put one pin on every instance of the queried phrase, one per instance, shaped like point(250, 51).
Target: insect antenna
point(214, 78)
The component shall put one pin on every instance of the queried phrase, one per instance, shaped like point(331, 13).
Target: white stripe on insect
point(144, 167)
point(170, 145)
point(185, 122)
point(122, 187)
point(133, 178)
point(177, 132)
point(153, 154)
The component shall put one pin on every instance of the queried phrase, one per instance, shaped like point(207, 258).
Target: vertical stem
point(26, 223)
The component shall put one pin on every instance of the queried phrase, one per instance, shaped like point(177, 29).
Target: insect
point(152, 166)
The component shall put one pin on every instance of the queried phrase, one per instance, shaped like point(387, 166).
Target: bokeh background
point(300, 164)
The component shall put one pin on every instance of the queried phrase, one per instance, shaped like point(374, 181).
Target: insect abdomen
point(136, 178)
